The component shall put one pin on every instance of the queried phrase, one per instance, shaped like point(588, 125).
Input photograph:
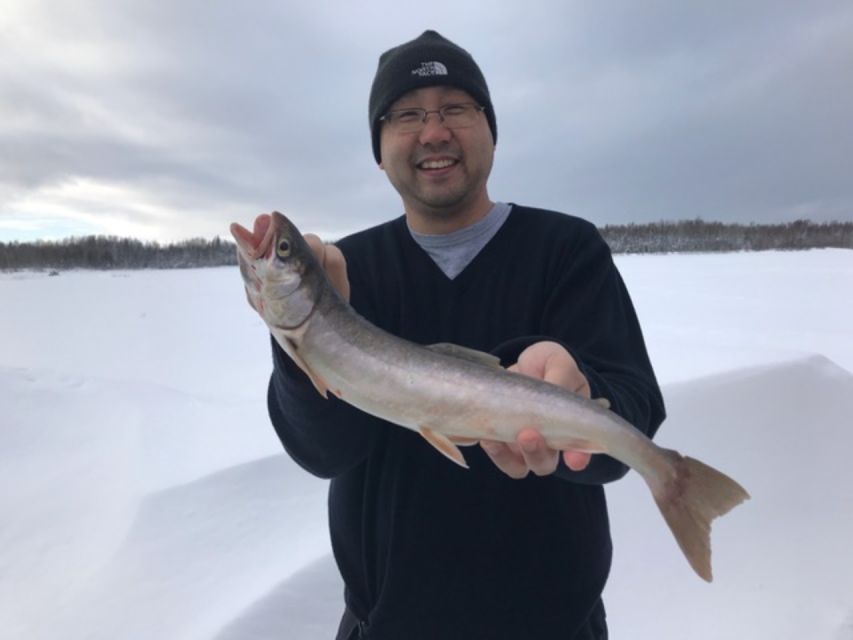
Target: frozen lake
point(145, 495)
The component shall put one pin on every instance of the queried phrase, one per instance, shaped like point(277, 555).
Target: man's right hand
point(333, 261)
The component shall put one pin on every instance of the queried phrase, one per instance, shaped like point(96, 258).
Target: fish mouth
point(258, 243)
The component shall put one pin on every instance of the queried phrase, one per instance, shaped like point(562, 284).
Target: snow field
point(144, 494)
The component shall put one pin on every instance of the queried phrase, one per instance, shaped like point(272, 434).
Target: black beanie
point(427, 61)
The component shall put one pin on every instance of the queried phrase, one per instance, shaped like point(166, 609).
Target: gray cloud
point(199, 113)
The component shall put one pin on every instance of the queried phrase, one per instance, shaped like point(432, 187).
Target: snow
point(144, 494)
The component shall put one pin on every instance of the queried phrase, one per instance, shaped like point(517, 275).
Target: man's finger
point(576, 460)
point(336, 267)
point(510, 462)
point(333, 263)
point(539, 458)
point(317, 247)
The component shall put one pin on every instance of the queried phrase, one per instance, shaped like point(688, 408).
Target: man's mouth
point(433, 165)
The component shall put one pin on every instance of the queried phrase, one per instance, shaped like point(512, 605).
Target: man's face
point(438, 170)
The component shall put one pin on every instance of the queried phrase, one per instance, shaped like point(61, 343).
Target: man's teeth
point(437, 164)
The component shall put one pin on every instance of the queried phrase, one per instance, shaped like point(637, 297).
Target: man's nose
point(434, 130)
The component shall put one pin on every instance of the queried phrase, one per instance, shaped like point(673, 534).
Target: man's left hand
point(550, 362)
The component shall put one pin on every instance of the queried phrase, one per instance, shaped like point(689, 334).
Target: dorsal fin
point(465, 353)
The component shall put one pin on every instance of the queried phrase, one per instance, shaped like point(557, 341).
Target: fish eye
point(283, 249)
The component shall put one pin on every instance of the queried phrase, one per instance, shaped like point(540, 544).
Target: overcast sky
point(169, 120)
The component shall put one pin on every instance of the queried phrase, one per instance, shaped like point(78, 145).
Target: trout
point(454, 395)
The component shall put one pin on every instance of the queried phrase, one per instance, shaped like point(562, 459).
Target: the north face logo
point(430, 69)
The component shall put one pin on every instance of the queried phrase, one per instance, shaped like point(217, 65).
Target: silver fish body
point(453, 395)
point(417, 387)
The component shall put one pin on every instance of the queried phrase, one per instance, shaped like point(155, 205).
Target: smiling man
point(518, 546)
point(436, 148)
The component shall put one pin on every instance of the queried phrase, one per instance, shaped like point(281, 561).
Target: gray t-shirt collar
point(452, 252)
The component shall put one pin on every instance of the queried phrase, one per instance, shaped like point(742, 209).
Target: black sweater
point(428, 549)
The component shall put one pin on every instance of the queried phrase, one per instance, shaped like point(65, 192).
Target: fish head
point(282, 277)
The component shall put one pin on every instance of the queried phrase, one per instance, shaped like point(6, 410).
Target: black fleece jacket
point(428, 549)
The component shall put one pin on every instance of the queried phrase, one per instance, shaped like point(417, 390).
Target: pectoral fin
point(444, 445)
point(318, 382)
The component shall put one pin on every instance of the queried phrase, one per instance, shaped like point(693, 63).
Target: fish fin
point(604, 402)
point(444, 445)
point(290, 348)
point(465, 353)
point(689, 499)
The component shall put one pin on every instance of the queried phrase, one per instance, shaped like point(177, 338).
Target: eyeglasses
point(414, 119)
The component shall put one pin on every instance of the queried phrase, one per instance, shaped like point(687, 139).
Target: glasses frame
point(388, 117)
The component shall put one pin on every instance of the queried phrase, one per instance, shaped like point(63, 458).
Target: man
point(518, 546)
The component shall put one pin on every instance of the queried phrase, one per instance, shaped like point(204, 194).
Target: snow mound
point(210, 547)
point(308, 605)
point(79, 457)
point(782, 560)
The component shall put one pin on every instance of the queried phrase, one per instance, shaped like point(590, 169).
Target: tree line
point(701, 236)
point(110, 252)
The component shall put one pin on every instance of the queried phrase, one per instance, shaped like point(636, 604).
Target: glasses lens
point(452, 116)
point(457, 116)
point(407, 120)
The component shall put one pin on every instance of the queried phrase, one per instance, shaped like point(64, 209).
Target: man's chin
point(443, 203)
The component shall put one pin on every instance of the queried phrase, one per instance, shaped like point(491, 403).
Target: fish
point(453, 395)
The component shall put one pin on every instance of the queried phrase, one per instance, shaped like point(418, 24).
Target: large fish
point(452, 395)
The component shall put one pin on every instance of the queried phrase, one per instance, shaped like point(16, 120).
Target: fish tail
point(690, 494)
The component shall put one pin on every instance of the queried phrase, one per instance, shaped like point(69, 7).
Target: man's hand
point(333, 261)
point(547, 361)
